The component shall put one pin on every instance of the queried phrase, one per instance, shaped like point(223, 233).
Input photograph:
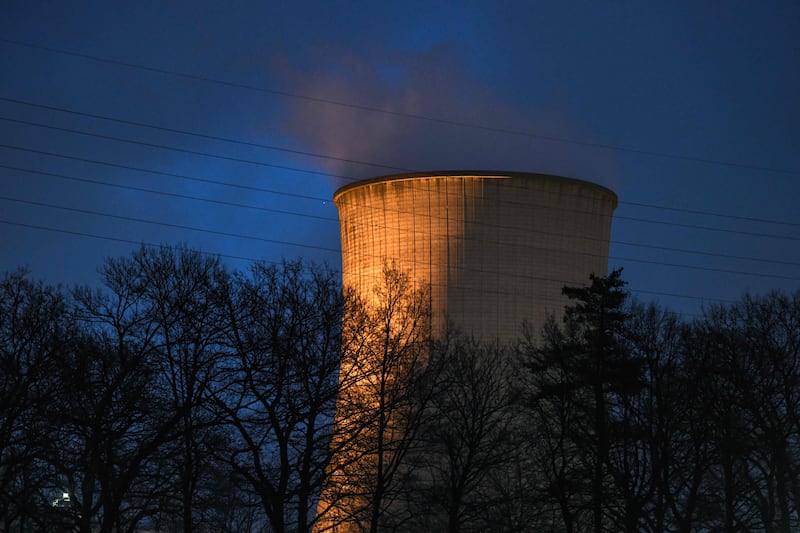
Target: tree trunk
point(602, 454)
point(727, 468)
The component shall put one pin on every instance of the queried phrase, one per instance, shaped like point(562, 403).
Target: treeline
point(642, 422)
point(186, 397)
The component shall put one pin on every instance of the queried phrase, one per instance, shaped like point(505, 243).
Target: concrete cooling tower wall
point(495, 248)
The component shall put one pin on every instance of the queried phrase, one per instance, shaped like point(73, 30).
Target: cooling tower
point(495, 248)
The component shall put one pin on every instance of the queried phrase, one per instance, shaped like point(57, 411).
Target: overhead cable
point(348, 160)
point(400, 114)
point(320, 173)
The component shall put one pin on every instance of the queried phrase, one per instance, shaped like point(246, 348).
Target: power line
point(168, 224)
point(307, 171)
point(91, 235)
point(709, 254)
point(202, 135)
point(712, 214)
point(162, 173)
point(117, 239)
point(339, 251)
point(332, 219)
point(346, 160)
point(503, 293)
point(172, 148)
point(166, 193)
point(489, 129)
point(254, 260)
point(400, 114)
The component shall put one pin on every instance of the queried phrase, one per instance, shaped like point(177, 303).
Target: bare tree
point(749, 355)
point(279, 389)
point(655, 466)
point(180, 296)
point(109, 428)
point(386, 364)
point(34, 328)
point(468, 439)
point(183, 397)
point(555, 407)
point(134, 437)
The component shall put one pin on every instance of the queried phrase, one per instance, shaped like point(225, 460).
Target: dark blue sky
point(702, 97)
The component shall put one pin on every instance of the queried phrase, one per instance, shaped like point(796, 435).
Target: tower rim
point(472, 173)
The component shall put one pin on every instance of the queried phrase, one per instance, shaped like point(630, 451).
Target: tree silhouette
point(278, 391)
point(582, 372)
point(391, 381)
point(34, 329)
point(182, 397)
point(468, 439)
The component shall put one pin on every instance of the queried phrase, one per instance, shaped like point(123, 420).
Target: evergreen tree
point(580, 372)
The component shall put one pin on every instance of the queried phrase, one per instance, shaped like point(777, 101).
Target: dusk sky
point(227, 126)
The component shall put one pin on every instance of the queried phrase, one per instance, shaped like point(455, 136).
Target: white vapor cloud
point(433, 84)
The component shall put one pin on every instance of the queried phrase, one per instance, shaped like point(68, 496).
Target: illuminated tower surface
point(495, 248)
